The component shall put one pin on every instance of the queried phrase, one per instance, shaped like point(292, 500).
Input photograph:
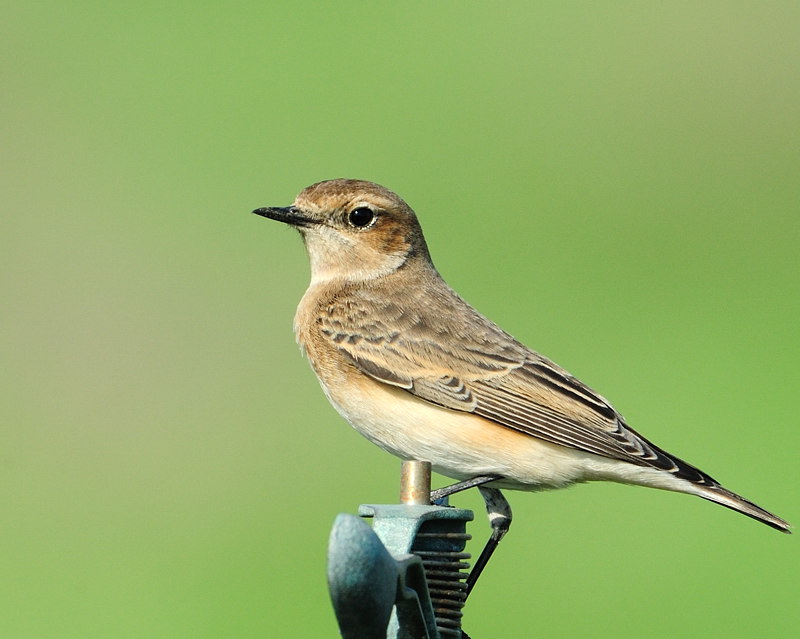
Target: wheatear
point(422, 374)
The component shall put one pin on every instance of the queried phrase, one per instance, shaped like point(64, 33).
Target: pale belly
point(462, 445)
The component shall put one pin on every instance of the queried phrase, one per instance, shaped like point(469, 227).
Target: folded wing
point(476, 367)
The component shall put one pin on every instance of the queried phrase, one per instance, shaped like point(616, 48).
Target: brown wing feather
point(474, 366)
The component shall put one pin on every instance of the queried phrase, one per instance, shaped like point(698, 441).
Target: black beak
point(287, 214)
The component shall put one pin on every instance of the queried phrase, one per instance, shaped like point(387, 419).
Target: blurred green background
point(616, 184)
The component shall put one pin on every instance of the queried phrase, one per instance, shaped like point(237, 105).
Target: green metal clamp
point(403, 577)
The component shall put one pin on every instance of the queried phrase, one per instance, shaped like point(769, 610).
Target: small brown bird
point(422, 374)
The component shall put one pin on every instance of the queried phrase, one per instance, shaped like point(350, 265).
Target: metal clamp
point(403, 577)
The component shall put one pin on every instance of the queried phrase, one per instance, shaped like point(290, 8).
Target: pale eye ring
point(361, 217)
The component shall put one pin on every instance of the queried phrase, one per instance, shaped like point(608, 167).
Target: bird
point(421, 373)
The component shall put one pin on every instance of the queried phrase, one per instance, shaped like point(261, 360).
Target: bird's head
point(353, 230)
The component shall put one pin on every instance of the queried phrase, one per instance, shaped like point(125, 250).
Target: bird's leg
point(440, 493)
point(499, 512)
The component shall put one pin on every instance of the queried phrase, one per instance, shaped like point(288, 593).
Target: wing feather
point(474, 366)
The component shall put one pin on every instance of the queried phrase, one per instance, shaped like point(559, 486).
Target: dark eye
point(361, 216)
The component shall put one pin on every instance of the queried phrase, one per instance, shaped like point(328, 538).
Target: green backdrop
point(614, 183)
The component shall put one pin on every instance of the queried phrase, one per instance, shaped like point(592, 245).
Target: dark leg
point(441, 493)
point(499, 512)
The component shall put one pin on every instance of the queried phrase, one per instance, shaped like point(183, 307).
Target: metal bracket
point(401, 578)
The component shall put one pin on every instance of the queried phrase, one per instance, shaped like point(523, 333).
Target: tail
point(725, 497)
point(703, 485)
